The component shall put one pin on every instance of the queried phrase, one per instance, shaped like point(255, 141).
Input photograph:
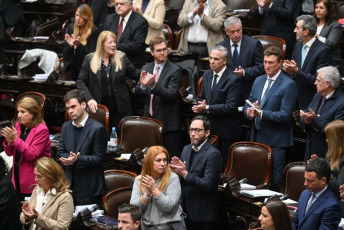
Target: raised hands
point(178, 167)
point(72, 42)
point(29, 211)
point(70, 160)
point(10, 134)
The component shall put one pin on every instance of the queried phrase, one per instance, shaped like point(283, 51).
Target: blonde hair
point(334, 135)
point(32, 106)
point(49, 168)
point(99, 54)
point(148, 167)
point(85, 12)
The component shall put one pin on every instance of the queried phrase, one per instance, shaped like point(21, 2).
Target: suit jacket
point(323, 214)
point(250, 59)
point(73, 59)
point(318, 56)
point(223, 104)
point(9, 210)
point(132, 41)
point(332, 31)
point(99, 10)
point(213, 22)
point(36, 145)
point(154, 14)
point(57, 213)
point(279, 20)
point(333, 109)
point(87, 171)
point(12, 11)
point(166, 96)
point(199, 188)
point(276, 122)
point(91, 83)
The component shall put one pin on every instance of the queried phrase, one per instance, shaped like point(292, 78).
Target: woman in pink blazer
point(26, 142)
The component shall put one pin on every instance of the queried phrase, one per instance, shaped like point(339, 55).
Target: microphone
point(243, 181)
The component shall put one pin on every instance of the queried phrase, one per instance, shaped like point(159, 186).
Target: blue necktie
point(214, 83)
point(257, 120)
point(303, 54)
point(235, 56)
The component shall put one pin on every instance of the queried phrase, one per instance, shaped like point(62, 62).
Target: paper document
point(259, 193)
point(247, 187)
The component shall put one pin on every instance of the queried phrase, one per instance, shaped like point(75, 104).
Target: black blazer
point(166, 96)
point(72, 61)
point(87, 171)
point(199, 188)
point(223, 104)
point(132, 41)
point(91, 83)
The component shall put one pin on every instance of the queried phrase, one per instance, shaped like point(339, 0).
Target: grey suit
point(332, 31)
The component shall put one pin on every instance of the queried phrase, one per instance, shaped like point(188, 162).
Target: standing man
point(159, 83)
point(309, 55)
point(327, 105)
point(131, 30)
point(220, 93)
point(82, 150)
point(274, 98)
point(318, 207)
point(245, 56)
point(202, 21)
point(199, 168)
point(129, 217)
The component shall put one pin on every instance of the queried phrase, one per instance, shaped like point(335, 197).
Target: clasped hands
point(149, 183)
point(307, 116)
point(147, 79)
point(199, 9)
point(10, 134)
point(29, 211)
point(252, 112)
point(290, 67)
point(200, 107)
point(178, 167)
point(71, 159)
point(72, 41)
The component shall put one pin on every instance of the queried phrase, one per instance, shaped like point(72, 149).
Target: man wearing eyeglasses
point(200, 169)
point(159, 83)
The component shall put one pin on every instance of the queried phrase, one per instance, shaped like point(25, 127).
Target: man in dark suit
point(279, 20)
point(99, 11)
point(219, 98)
point(327, 105)
point(245, 56)
point(309, 55)
point(318, 207)
point(199, 168)
point(273, 96)
point(131, 30)
point(159, 83)
point(82, 150)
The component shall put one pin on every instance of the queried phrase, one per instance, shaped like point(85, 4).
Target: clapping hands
point(29, 211)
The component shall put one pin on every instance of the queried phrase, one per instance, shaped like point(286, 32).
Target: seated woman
point(51, 204)
point(157, 191)
point(154, 12)
point(274, 216)
point(26, 142)
point(329, 31)
point(81, 39)
point(103, 78)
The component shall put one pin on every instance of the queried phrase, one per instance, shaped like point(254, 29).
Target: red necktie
point(156, 76)
point(323, 100)
point(120, 30)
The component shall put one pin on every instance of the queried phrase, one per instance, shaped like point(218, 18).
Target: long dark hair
point(330, 16)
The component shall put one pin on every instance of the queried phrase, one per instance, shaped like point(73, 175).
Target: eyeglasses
point(161, 50)
point(195, 130)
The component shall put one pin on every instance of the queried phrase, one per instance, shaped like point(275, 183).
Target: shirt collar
point(221, 72)
point(197, 149)
point(329, 95)
point(317, 194)
point(274, 77)
point(238, 43)
point(82, 123)
point(161, 65)
point(126, 18)
point(310, 42)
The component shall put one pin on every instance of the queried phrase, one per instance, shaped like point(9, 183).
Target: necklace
point(157, 179)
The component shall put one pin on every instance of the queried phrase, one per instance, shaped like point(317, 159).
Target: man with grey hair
point(218, 99)
point(245, 56)
point(327, 105)
point(309, 55)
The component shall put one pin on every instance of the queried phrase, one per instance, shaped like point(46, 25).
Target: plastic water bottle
point(113, 139)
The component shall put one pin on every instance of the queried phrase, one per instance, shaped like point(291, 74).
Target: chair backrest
point(199, 86)
point(168, 34)
point(114, 199)
point(46, 28)
point(115, 179)
point(139, 132)
point(249, 160)
point(293, 179)
point(40, 99)
point(271, 41)
point(340, 10)
point(177, 40)
point(102, 116)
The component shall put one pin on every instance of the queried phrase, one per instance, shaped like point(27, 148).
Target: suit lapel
point(127, 27)
point(84, 134)
point(272, 89)
point(198, 155)
point(221, 82)
point(312, 49)
point(320, 200)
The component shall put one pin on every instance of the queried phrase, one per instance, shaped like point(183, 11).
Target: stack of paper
point(259, 193)
point(41, 77)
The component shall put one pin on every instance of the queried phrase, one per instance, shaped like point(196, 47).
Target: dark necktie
point(214, 83)
point(257, 120)
point(156, 76)
point(235, 56)
point(120, 30)
point(323, 100)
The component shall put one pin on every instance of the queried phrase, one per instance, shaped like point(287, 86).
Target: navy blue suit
point(318, 56)
point(276, 122)
point(323, 214)
point(333, 109)
point(87, 173)
point(199, 188)
point(250, 59)
point(132, 41)
point(223, 107)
